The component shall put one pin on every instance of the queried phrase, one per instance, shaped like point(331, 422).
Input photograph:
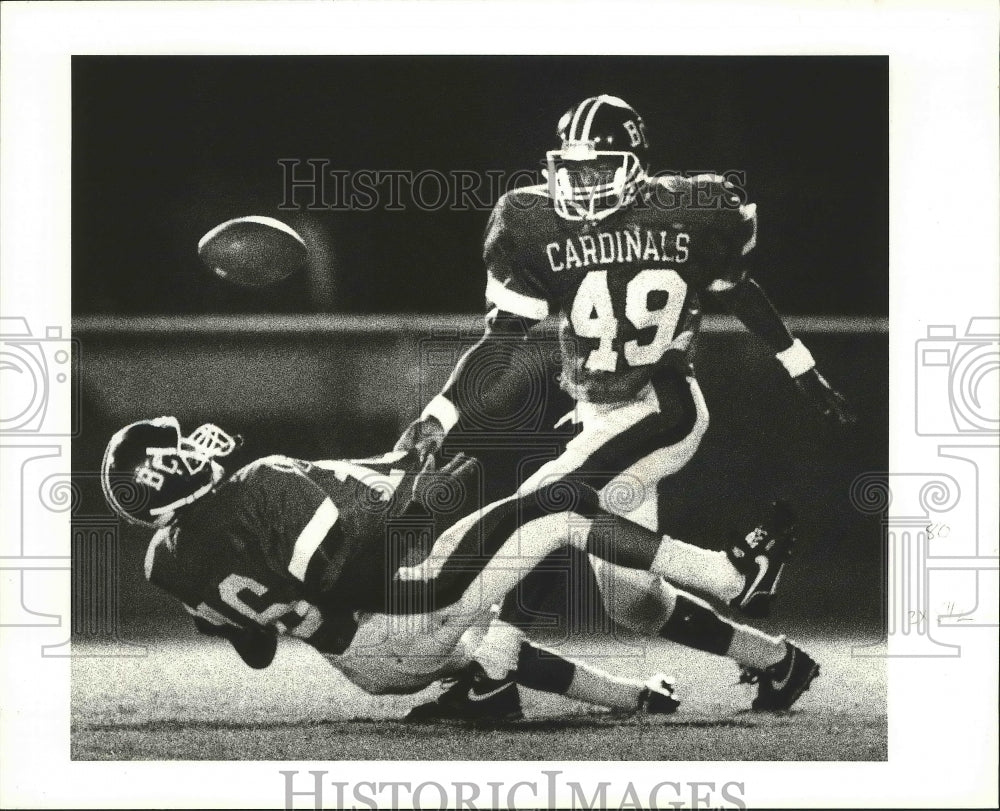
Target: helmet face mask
point(205, 442)
point(150, 469)
point(600, 165)
point(594, 188)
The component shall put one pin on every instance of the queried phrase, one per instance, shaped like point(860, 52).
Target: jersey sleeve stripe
point(311, 537)
point(159, 537)
point(513, 302)
point(749, 212)
point(442, 409)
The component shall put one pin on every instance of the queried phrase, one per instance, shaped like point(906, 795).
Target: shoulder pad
point(538, 190)
point(522, 199)
point(278, 462)
point(671, 183)
point(706, 185)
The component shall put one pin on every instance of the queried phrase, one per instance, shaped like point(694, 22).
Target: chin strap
point(164, 515)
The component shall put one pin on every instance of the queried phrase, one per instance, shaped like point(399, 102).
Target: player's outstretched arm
point(482, 378)
point(748, 302)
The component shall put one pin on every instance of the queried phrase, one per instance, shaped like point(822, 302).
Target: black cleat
point(659, 696)
point(779, 686)
point(472, 698)
point(761, 557)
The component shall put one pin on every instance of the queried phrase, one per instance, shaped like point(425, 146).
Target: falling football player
point(311, 550)
point(622, 258)
point(351, 558)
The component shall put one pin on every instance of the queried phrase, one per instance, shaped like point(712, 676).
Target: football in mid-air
point(252, 251)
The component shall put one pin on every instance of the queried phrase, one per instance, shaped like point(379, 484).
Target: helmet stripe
point(573, 134)
point(585, 135)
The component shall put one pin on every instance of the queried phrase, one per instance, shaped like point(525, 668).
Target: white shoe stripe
point(474, 696)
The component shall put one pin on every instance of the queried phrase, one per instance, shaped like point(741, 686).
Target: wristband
point(796, 359)
point(443, 410)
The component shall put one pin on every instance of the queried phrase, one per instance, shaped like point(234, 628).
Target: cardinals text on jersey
point(626, 287)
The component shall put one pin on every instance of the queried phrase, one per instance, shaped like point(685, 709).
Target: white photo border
point(944, 208)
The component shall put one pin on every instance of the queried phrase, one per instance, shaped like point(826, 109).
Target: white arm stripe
point(311, 537)
point(749, 212)
point(158, 538)
point(796, 359)
point(514, 302)
point(444, 410)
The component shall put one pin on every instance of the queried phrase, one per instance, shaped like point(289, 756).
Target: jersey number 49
point(593, 316)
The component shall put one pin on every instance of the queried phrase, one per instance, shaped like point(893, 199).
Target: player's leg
point(650, 606)
point(475, 564)
point(504, 658)
point(507, 540)
point(493, 548)
point(386, 656)
point(392, 654)
point(616, 436)
point(625, 450)
point(483, 557)
point(505, 653)
point(472, 567)
point(757, 559)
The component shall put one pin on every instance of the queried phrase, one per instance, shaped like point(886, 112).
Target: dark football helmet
point(602, 160)
point(151, 469)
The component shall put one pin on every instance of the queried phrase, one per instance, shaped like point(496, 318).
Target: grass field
point(193, 699)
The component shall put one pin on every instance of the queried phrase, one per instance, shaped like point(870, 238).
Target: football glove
point(826, 400)
point(425, 436)
point(443, 490)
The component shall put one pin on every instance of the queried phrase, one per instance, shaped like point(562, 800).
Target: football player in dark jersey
point(311, 550)
point(369, 562)
point(623, 258)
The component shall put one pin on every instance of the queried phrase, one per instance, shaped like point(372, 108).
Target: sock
point(696, 624)
point(497, 652)
point(697, 568)
point(753, 648)
point(542, 669)
point(597, 686)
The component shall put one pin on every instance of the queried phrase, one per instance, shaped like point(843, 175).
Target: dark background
point(166, 148)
